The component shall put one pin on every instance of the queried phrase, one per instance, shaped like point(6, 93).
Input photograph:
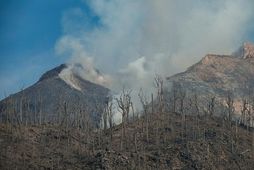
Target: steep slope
point(59, 94)
point(218, 75)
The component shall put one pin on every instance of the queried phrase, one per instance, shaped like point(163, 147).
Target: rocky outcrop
point(246, 51)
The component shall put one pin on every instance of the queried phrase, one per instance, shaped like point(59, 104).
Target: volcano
point(221, 75)
point(60, 94)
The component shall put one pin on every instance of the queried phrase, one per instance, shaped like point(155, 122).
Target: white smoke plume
point(132, 40)
point(78, 55)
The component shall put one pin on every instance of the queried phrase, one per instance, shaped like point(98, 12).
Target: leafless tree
point(109, 118)
point(158, 82)
point(211, 106)
point(64, 122)
point(230, 106)
point(21, 106)
point(124, 105)
point(40, 108)
point(105, 114)
point(196, 113)
point(145, 104)
point(230, 113)
point(174, 96)
point(182, 95)
point(244, 111)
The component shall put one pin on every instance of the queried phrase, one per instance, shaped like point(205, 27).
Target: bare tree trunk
point(230, 106)
point(21, 108)
point(124, 104)
point(145, 103)
point(40, 109)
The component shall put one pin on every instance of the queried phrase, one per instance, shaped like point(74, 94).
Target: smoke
point(133, 40)
point(78, 56)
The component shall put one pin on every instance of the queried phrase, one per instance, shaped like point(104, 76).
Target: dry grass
point(177, 145)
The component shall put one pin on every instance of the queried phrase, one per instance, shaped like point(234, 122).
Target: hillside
point(59, 91)
point(165, 141)
point(219, 76)
point(57, 123)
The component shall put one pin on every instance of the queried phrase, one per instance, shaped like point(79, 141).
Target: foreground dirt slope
point(168, 141)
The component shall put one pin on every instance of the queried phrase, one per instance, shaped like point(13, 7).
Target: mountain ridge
point(51, 94)
point(218, 75)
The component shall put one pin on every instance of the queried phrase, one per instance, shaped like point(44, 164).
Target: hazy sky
point(137, 38)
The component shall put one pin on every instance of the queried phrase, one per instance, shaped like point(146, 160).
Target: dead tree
point(158, 82)
point(211, 106)
point(252, 122)
point(105, 114)
point(21, 106)
point(230, 107)
point(124, 105)
point(99, 108)
point(64, 121)
point(244, 112)
point(174, 96)
point(196, 113)
point(247, 107)
point(181, 95)
point(133, 113)
point(145, 104)
point(252, 111)
point(196, 106)
point(230, 112)
point(40, 108)
point(109, 112)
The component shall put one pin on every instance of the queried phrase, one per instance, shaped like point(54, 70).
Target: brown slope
point(197, 143)
point(219, 74)
point(47, 100)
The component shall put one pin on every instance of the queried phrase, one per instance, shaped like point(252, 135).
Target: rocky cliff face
point(246, 51)
point(59, 95)
point(219, 75)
